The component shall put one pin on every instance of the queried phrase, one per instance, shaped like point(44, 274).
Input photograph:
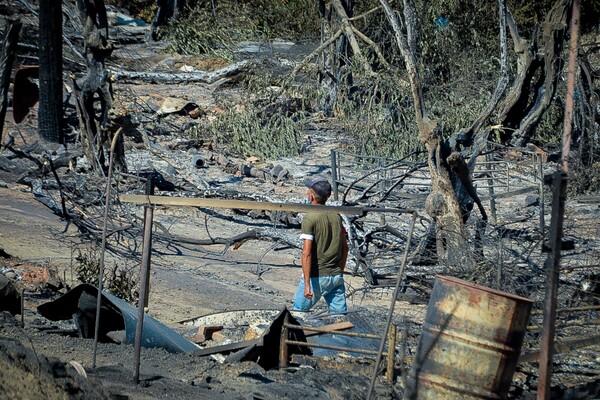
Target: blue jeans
point(331, 288)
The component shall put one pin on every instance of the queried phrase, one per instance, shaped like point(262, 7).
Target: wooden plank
point(237, 204)
point(252, 205)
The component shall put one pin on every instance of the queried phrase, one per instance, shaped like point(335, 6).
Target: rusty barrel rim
point(482, 288)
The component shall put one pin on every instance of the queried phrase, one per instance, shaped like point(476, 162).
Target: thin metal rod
point(144, 286)
point(103, 249)
point(393, 303)
point(340, 348)
point(312, 329)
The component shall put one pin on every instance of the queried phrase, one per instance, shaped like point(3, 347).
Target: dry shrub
point(583, 179)
point(119, 280)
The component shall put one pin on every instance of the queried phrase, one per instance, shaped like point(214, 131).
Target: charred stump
point(7, 58)
point(51, 84)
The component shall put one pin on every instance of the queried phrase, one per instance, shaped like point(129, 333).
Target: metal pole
point(334, 174)
point(340, 333)
point(103, 250)
point(541, 189)
point(553, 267)
point(559, 181)
point(395, 296)
point(328, 347)
point(490, 181)
point(146, 251)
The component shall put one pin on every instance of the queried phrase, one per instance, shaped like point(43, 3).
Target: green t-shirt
point(327, 232)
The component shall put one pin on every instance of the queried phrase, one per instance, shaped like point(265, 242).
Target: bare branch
point(316, 52)
point(502, 79)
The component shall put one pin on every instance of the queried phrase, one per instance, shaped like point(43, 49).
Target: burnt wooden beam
point(7, 58)
point(253, 205)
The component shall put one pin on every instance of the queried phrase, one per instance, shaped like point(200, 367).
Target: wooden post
point(334, 174)
point(283, 347)
point(8, 50)
point(391, 353)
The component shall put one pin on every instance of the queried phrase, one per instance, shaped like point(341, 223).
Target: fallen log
point(201, 77)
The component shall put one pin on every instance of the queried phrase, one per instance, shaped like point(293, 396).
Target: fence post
point(391, 353)
point(283, 347)
point(334, 174)
point(402, 351)
point(382, 185)
point(490, 169)
point(541, 189)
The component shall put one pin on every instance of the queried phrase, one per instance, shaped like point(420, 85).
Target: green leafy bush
point(213, 31)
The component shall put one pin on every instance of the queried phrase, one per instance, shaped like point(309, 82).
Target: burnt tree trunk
point(539, 66)
point(50, 55)
point(8, 50)
point(442, 204)
point(167, 10)
point(336, 56)
point(96, 88)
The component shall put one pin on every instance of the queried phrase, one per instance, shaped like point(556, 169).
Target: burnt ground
point(188, 281)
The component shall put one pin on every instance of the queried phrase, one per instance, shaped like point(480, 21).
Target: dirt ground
point(191, 281)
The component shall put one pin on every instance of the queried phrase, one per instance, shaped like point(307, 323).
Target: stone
point(10, 299)
point(532, 200)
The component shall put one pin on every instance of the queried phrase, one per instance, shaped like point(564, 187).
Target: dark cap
point(319, 185)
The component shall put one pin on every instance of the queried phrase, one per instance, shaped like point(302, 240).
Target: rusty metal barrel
point(470, 342)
